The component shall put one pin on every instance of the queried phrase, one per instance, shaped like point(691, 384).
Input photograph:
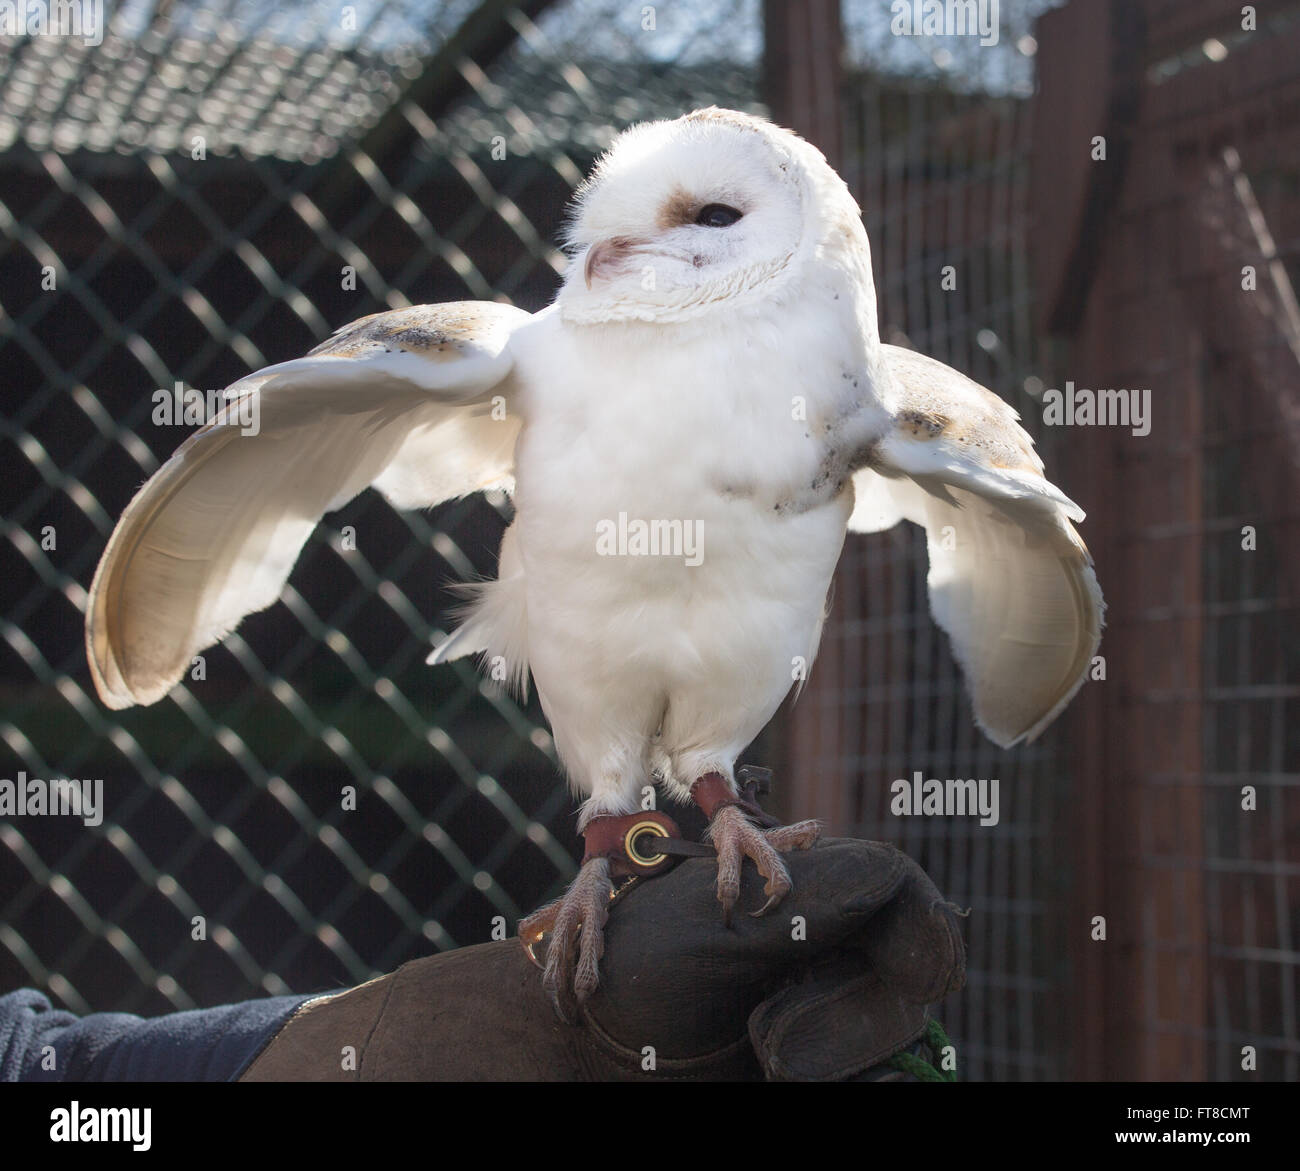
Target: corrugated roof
point(292, 83)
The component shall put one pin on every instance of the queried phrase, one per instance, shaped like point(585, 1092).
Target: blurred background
point(216, 187)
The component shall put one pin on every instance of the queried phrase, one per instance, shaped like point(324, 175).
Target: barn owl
point(687, 432)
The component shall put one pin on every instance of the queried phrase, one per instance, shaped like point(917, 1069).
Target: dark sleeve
point(41, 1043)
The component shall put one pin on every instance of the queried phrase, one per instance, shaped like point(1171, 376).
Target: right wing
point(1010, 580)
point(410, 401)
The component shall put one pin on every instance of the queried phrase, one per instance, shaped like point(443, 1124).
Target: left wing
point(400, 400)
point(1010, 580)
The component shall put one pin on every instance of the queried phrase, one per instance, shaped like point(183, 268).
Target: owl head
point(714, 210)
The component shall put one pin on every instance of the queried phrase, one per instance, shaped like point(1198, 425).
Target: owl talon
point(767, 906)
point(735, 838)
point(574, 928)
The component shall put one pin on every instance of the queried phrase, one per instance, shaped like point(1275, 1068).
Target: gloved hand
point(827, 986)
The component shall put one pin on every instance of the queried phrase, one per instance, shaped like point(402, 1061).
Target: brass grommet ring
point(645, 861)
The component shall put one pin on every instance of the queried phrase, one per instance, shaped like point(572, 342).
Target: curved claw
point(535, 927)
point(772, 901)
point(735, 838)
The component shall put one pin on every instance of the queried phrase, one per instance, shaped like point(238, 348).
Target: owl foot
point(736, 838)
point(574, 927)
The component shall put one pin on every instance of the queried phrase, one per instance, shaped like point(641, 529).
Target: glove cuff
point(833, 1029)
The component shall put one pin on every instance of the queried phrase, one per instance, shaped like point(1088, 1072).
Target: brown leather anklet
point(712, 792)
point(616, 838)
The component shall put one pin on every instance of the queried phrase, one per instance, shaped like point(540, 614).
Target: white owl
point(687, 432)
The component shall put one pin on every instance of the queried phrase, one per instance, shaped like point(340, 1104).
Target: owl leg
point(735, 837)
point(617, 846)
point(574, 927)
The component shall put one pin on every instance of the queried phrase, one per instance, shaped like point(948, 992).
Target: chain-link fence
point(216, 187)
point(1195, 784)
point(1134, 911)
point(209, 190)
point(938, 142)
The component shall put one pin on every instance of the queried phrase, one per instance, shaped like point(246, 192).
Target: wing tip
point(1095, 608)
point(116, 689)
point(110, 681)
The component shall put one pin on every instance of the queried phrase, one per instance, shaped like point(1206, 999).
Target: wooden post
point(803, 68)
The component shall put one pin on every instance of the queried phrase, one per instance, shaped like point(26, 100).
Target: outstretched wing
point(1010, 581)
point(400, 400)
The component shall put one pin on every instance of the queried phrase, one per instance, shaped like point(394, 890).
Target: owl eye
point(717, 215)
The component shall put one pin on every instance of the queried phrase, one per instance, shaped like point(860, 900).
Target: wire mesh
point(942, 177)
point(1199, 713)
point(1218, 843)
point(211, 190)
point(220, 185)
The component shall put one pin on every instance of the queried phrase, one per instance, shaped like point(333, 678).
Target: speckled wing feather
point(399, 400)
point(1010, 581)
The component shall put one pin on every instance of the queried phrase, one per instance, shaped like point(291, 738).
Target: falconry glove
point(829, 988)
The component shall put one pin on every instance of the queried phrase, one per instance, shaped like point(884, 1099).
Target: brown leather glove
point(828, 985)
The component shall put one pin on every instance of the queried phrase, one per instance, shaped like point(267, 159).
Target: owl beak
point(606, 255)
